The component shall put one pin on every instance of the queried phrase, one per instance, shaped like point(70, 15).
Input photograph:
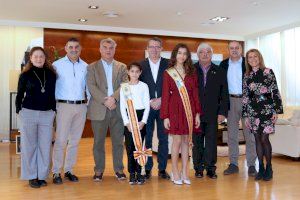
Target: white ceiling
point(245, 17)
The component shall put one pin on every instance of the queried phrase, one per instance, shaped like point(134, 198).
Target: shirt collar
point(66, 58)
point(106, 63)
point(205, 68)
point(233, 62)
point(158, 62)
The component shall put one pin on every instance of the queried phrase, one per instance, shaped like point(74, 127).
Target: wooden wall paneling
point(130, 47)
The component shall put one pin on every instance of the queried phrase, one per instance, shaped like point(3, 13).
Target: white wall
point(13, 42)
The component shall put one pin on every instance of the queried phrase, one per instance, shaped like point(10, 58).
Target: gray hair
point(109, 41)
point(204, 45)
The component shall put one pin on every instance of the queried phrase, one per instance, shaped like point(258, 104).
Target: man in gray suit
point(103, 79)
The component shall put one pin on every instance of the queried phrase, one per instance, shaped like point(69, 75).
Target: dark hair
point(134, 64)
point(188, 63)
point(156, 39)
point(72, 39)
point(47, 64)
point(231, 41)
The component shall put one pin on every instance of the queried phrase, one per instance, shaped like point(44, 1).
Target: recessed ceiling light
point(93, 7)
point(82, 20)
point(207, 23)
point(219, 19)
point(179, 13)
point(111, 14)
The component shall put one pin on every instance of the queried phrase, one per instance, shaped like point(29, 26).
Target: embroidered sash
point(141, 154)
point(184, 97)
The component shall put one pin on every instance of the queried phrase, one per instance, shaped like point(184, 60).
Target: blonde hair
point(261, 60)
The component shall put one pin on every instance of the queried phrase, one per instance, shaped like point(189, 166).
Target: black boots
point(261, 172)
point(268, 173)
point(265, 174)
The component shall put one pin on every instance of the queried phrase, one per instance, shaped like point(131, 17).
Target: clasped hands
point(141, 126)
point(110, 103)
point(155, 103)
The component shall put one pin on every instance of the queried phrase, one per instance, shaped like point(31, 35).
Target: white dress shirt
point(71, 79)
point(140, 98)
point(235, 76)
point(108, 68)
point(154, 68)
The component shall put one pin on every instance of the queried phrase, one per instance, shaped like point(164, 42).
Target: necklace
point(42, 86)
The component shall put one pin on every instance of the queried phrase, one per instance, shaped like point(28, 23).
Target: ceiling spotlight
point(219, 19)
point(82, 20)
point(179, 13)
point(93, 7)
point(111, 14)
point(207, 23)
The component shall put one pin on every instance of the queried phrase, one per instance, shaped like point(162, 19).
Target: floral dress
point(261, 99)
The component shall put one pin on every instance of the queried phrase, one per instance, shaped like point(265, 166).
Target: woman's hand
point(197, 120)
point(247, 122)
point(167, 123)
point(128, 127)
point(274, 118)
point(191, 140)
point(141, 125)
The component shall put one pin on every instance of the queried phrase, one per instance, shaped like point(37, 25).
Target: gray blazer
point(97, 85)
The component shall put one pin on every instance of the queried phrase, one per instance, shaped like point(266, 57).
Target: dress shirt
point(108, 68)
point(235, 76)
point(140, 97)
point(154, 68)
point(71, 79)
point(205, 70)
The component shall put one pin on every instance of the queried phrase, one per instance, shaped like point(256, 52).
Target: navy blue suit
point(155, 90)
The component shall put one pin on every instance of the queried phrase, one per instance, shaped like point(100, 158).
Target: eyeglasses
point(154, 47)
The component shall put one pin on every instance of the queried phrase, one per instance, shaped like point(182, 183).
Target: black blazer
point(225, 64)
point(147, 77)
point(214, 96)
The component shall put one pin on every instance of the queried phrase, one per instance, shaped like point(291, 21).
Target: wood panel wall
point(130, 47)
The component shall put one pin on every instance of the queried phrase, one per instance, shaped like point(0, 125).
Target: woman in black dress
point(261, 105)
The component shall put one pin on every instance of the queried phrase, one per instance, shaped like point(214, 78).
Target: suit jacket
point(225, 64)
point(97, 85)
point(146, 77)
point(214, 95)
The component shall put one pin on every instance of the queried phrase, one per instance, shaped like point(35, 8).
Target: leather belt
point(236, 95)
point(71, 102)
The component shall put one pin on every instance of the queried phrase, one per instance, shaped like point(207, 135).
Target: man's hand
point(221, 118)
point(110, 103)
point(155, 103)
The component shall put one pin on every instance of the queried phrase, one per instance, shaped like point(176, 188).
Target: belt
point(236, 95)
point(71, 102)
point(261, 97)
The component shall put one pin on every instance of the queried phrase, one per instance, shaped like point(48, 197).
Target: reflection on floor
point(285, 185)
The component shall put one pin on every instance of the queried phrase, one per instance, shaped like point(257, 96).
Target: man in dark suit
point(152, 74)
point(235, 70)
point(213, 92)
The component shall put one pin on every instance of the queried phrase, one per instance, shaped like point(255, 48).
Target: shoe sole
point(120, 179)
point(66, 178)
point(229, 173)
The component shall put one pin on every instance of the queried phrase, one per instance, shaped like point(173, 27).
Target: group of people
point(184, 99)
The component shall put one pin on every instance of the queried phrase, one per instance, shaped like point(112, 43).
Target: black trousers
point(133, 166)
point(205, 147)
